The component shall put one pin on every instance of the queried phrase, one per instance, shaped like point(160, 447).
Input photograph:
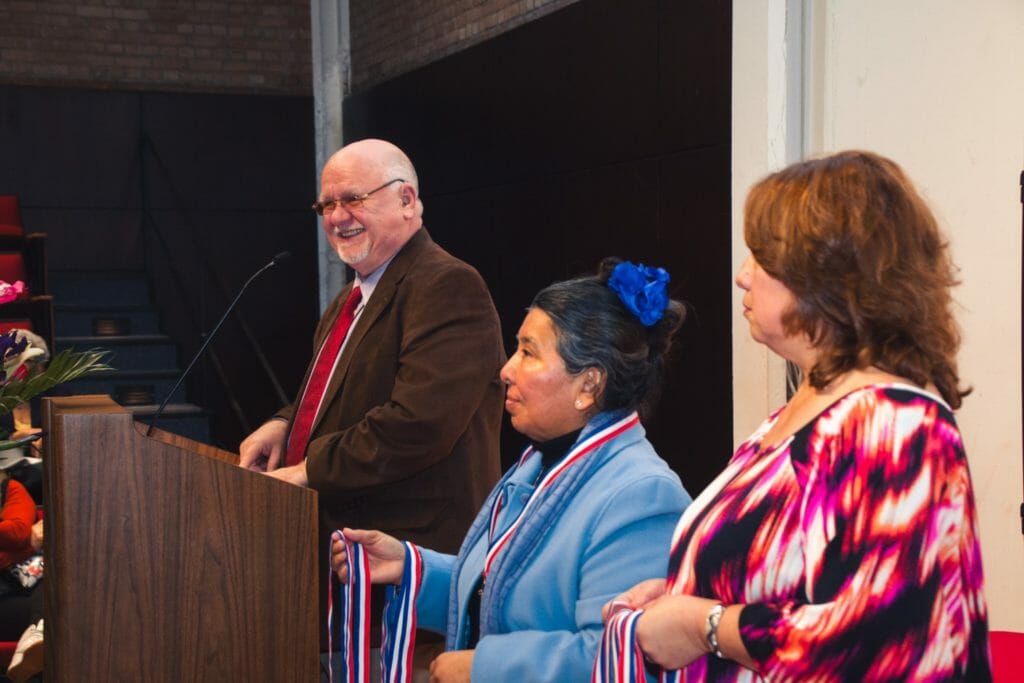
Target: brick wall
point(220, 46)
point(233, 46)
point(390, 37)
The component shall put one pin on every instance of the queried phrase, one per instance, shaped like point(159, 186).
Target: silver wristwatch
point(711, 628)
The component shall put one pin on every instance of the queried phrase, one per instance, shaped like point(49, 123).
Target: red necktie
point(304, 416)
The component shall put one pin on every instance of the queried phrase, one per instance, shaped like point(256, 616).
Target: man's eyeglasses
point(327, 206)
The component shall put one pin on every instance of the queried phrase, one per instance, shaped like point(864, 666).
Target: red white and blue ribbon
point(355, 616)
point(581, 450)
point(671, 676)
point(399, 638)
point(399, 625)
point(619, 658)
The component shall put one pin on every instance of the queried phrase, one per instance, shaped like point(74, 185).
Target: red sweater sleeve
point(16, 519)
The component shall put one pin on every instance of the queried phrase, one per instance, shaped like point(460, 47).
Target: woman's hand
point(636, 597)
point(671, 630)
point(385, 553)
point(452, 667)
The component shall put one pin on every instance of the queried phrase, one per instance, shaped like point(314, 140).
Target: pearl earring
point(579, 404)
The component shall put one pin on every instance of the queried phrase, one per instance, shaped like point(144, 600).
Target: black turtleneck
point(550, 453)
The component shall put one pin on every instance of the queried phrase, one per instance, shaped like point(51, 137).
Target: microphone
point(273, 262)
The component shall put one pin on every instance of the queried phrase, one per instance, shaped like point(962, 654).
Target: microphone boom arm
point(209, 337)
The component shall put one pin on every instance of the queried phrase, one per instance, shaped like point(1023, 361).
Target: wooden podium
point(167, 562)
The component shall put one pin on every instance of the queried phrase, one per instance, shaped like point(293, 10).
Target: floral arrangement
point(11, 291)
point(24, 372)
point(643, 289)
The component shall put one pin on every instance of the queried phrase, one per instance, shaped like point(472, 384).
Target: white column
point(768, 132)
point(332, 71)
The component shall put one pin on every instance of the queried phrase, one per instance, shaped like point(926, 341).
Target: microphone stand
point(206, 342)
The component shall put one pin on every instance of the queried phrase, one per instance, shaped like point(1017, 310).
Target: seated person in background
point(587, 511)
point(27, 660)
point(21, 537)
point(17, 517)
point(840, 543)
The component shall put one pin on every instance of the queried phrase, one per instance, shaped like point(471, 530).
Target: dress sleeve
point(629, 544)
point(892, 569)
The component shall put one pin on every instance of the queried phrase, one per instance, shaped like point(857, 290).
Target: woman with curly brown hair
point(840, 542)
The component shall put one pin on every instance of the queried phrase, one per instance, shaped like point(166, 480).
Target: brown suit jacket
point(407, 438)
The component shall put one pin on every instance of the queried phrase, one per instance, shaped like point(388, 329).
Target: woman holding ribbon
point(840, 543)
point(587, 511)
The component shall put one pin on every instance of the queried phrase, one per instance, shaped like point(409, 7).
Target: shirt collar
point(369, 283)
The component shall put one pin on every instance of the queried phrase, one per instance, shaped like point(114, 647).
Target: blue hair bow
point(642, 289)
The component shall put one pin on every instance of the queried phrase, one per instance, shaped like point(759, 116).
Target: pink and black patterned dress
point(853, 545)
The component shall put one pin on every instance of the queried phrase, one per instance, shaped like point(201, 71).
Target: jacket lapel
point(383, 293)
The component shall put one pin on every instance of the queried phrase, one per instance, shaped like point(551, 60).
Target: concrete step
point(85, 288)
point(120, 384)
point(112, 311)
point(73, 320)
point(130, 352)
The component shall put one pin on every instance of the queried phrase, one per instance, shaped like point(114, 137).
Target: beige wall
point(938, 85)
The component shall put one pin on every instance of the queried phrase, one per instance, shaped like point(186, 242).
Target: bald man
point(405, 435)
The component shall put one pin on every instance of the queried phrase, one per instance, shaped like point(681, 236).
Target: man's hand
point(263, 449)
point(296, 474)
point(385, 553)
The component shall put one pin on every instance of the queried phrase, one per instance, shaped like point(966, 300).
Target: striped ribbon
point(399, 638)
point(595, 440)
point(619, 657)
point(355, 616)
point(399, 627)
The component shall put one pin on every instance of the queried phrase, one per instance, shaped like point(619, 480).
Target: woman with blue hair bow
point(586, 512)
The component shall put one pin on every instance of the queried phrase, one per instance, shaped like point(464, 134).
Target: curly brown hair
point(870, 271)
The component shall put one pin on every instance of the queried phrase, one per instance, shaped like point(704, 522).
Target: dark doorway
point(590, 132)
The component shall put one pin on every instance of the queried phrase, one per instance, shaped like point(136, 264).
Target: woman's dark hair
point(595, 329)
point(863, 255)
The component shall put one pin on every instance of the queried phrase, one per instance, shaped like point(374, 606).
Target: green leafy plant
point(64, 367)
point(24, 372)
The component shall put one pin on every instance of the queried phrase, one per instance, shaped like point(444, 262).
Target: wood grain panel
point(166, 562)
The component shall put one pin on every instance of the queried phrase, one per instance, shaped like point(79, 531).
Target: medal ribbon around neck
point(399, 627)
point(581, 450)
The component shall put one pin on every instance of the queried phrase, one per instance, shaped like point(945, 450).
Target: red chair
point(21, 253)
point(1007, 656)
point(10, 213)
point(23, 257)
